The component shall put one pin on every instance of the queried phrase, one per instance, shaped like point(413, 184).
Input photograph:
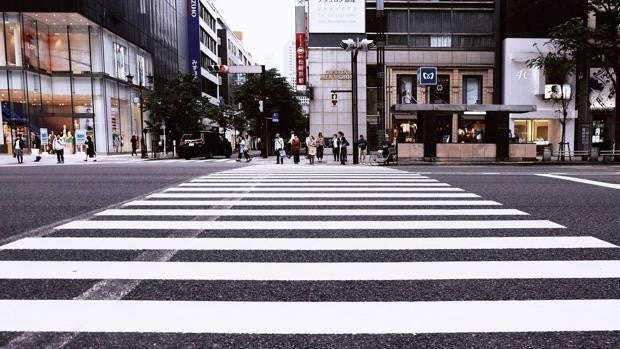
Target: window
point(440, 93)
point(407, 89)
point(471, 129)
point(441, 41)
point(472, 89)
point(408, 130)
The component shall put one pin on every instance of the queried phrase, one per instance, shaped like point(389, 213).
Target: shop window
point(59, 48)
point(44, 47)
point(443, 129)
point(2, 51)
point(408, 130)
point(80, 50)
point(471, 129)
point(31, 52)
point(120, 61)
point(532, 131)
point(12, 30)
point(440, 93)
point(472, 89)
point(96, 43)
point(407, 88)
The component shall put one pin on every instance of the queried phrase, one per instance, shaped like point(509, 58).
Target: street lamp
point(149, 81)
point(354, 46)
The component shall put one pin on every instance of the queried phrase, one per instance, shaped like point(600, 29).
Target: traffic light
point(217, 69)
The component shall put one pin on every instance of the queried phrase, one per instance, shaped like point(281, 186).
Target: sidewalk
point(48, 159)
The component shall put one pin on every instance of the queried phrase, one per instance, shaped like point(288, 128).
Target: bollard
point(547, 154)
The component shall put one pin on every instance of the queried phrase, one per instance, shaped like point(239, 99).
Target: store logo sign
point(427, 76)
point(193, 7)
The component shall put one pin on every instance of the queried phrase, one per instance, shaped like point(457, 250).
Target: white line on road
point(385, 191)
point(583, 181)
point(312, 244)
point(309, 317)
point(302, 183)
point(117, 270)
point(311, 180)
point(309, 225)
point(312, 212)
point(312, 203)
point(310, 195)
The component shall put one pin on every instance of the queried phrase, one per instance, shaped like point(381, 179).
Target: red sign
point(300, 61)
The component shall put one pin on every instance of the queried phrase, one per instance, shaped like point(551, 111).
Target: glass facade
point(61, 73)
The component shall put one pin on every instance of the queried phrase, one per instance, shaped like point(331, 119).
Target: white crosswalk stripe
point(306, 226)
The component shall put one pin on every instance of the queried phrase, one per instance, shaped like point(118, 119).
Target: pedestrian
point(311, 149)
point(386, 144)
point(335, 147)
point(50, 142)
point(320, 143)
point(295, 148)
point(362, 146)
point(278, 148)
point(343, 144)
point(134, 145)
point(90, 149)
point(240, 146)
point(18, 149)
point(59, 149)
point(246, 150)
point(36, 148)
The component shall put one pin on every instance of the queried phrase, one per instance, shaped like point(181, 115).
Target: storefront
point(62, 74)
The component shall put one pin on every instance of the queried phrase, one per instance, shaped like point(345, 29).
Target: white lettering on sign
point(336, 75)
point(194, 8)
point(523, 74)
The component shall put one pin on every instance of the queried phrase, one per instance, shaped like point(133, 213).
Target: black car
point(205, 144)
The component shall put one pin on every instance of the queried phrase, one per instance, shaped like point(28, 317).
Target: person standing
point(134, 145)
point(295, 148)
point(311, 149)
point(50, 142)
point(278, 148)
point(240, 146)
point(90, 149)
point(36, 148)
point(362, 145)
point(59, 148)
point(320, 143)
point(343, 144)
point(335, 147)
point(246, 149)
point(18, 149)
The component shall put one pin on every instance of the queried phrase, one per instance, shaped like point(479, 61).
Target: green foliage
point(278, 97)
point(557, 65)
point(178, 104)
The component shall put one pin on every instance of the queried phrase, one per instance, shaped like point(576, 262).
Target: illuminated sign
point(329, 16)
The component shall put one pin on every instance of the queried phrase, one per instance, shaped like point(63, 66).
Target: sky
point(266, 25)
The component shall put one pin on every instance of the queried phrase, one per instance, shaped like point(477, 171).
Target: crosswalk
point(294, 250)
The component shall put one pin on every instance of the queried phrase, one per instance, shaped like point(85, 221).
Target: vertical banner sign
point(193, 35)
point(300, 58)
point(44, 136)
point(80, 136)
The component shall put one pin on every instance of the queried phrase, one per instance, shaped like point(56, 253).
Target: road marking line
point(309, 317)
point(583, 181)
point(310, 184)
point(309, 225)
point(312, 244)
point(487, 270)
point(312, 212)
point(312, 203)
point(385, 191)
point(311, 180)
point(311, 195)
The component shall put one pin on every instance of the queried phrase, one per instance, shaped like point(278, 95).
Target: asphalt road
point(35, 203)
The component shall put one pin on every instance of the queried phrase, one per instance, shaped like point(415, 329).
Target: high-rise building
point(77, 68)
point(289, 64)
point(231, 53)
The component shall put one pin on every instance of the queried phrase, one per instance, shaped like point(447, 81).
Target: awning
point(411, 108)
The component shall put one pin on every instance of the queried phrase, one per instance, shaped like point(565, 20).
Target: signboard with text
point(193, 35)
point(44, 136)
point(80, 136)
point(300, 58)
point(329, 16)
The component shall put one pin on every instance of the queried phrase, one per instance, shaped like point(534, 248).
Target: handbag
point(282, 152)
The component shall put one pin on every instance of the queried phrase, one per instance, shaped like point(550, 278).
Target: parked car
point(205, 144)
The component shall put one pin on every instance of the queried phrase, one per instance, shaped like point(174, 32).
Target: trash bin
point(547, 153)
point(594, 154)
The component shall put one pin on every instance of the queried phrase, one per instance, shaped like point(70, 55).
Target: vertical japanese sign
point(193, 36)
point(300, 58)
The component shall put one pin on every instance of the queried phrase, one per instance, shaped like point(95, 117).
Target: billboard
point(193, 37)
point(556, 91)
point(346, 16)
point(602, 92)
point(300, 58)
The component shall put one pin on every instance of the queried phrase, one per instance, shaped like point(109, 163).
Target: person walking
point(278, 148)
point(343, 144)
point(18, 149)
point(311, 149)
point(246, 149)
point(90, 149)
point(320, 143)
point(362, 146)
point(134, 145)
point(240, 146)
point(59, 148)
point(295, 148)
point(335, 147)
point(36, 148)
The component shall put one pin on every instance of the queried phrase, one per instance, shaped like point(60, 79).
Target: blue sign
point(44, 136)
point(275, 117)
point(193, 37)
point(427, 76)
point(80, 136)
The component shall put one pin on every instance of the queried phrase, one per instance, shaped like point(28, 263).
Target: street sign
point(80, 136)
point(275, 117)
point(245, 69)
point(44, 136)
point(427, 76)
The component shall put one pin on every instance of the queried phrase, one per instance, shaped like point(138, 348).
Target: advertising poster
point(44, 136)
point(80, 136)
point(119, 59)
point(193, 27)
point(602, 92)
point(337, 16)
point(141, 72)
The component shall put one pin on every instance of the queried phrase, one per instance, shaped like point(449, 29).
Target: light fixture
point(475, 113)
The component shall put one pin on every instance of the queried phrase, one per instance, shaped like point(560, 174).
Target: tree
point(179, 105)
point(559, 67)
point(277, 98)
point(601, 42)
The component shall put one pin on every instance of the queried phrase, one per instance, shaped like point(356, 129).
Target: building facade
point(77, 68)
point(231, 53)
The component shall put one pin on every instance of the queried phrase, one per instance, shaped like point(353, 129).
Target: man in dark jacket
point(19, 149)
point(343, 144)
